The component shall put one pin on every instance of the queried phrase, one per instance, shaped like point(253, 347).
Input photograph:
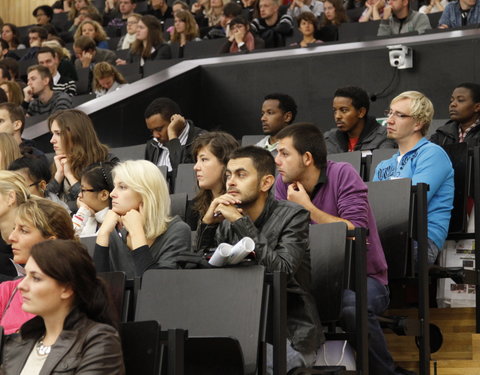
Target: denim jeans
point(432, 251)
point(379, 358)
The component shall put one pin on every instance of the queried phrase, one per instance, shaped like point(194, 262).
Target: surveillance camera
point(401, 57)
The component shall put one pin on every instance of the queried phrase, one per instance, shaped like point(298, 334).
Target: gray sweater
point(162, 254)
point(415, 21)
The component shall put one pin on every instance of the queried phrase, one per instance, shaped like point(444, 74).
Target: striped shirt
point(58, 101)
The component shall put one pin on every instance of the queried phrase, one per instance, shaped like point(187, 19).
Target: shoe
point(404, 371)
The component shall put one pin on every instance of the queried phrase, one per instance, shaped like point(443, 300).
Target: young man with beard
point(280, 231)
point(334, 192)
point(356, 130)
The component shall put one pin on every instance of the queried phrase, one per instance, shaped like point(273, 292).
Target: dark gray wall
point(234, 92)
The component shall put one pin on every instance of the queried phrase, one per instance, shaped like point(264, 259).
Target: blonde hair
point(14, 182)
point(9, 150)
point(100, 33)
point(57, 47)
point(421, 108)
point(145, 178)
point(50, 218)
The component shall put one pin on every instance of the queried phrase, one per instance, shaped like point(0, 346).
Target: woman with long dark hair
point(76, 146)
point(211, 151)
point(149, 44)
point(74, 330)
point(333, 16)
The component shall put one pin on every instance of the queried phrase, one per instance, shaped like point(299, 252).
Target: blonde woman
point(13, 192)
point(93, 30)
point(106, 79)
point(9, 150)
point(138, 233)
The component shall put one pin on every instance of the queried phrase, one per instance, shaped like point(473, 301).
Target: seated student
point(408, 120)
point(398, 18)
point(160, 9)
point(43, 14)
point(307, 24)
point(334, 192)
point(88, 54)
point(280, 231)
point(210, 151)
point(62, 6)
point(94, 198)
point(149, 44)
point(138, 232)
point(240, 38)
point(11, 36)
point(48, 57)
point(278, 111)
point(434, 6)
point(460, 13)
point(9, 150)
point(130, 36)
point(173, 135)
point(356, 130)
point(12, 121)
point(36, 173)
point(74, 330)
point(93, 30)
point(117, 16)
point(87, 12)
point(333, 16)
point(39, 97)
point(106, 79)
point(37, 220)
point(36, 36)
point(76, 146)
point(271, 26)
point(298, 7)
point(230, 11)
point(14, 192)
point(14, 92)
point(185, 30)
point(464, 112)
point(373, 11)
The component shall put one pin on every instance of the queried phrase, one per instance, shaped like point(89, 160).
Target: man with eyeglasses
point(408, 120)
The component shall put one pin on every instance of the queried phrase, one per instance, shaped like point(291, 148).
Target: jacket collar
point(371, 126)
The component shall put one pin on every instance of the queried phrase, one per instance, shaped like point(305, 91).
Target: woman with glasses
point(94, 198)
point(127, 40)
point(36, 173)
point(76, 146)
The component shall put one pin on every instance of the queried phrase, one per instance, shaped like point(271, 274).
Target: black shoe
point(404, 371)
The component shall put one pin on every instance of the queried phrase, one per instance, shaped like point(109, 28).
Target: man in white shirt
point(47, 56)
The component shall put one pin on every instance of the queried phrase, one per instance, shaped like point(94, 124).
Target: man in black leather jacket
point(280, 231)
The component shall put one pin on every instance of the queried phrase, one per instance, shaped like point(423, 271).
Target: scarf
point(249, 41)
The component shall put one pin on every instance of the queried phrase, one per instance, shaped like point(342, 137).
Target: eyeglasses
point(34, 184)
point(389, 112)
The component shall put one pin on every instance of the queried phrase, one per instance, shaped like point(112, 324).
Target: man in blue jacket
point(408, 119)
point(460, 13)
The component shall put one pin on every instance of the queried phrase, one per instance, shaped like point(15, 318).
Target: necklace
point(42, 349)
